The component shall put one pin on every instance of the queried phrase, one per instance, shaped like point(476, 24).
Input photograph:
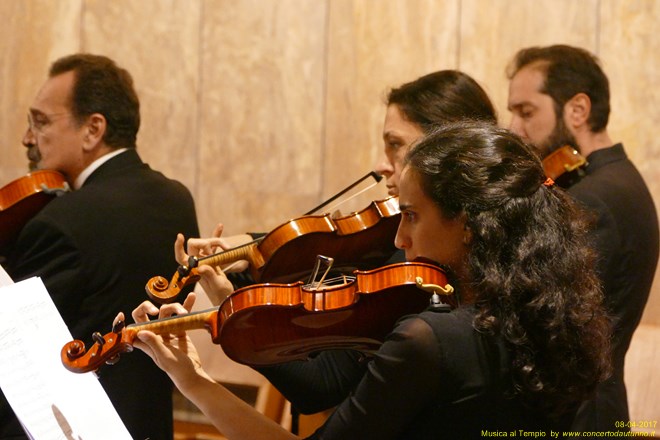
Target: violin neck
point(178, 324)
point(242, 252)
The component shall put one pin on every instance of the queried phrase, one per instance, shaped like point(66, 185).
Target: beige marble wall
point(33, 34)
point(629, 47)
point(370, 50)
point(261, 112)
point(263, 108)
point(159, 43)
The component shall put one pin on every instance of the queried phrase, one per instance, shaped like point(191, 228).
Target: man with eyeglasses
point(96, 247)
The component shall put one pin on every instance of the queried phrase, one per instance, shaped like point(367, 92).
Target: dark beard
point(559, 137)
point(34, 156)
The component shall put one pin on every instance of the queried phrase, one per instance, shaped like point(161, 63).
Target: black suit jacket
point(95, 249)
point(626, 241)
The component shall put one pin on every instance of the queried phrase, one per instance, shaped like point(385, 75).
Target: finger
point(208, 271)
point(146, 341)
point(220, 245)
point(217, 231)
point(236, 266)
point(215, 284)
point(212, 275)
point(118, 318)
point(189, 302)
point(203, 246)
point(179, 251)
point(234, 241)
point(142, 312)
point(171, 309)
point(213, 245)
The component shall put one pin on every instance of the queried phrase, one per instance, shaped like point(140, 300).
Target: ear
point(577, 111)
point(94, 131)
point(467, 235)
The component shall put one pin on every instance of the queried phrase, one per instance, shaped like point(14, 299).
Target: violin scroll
point(565, 166)
point(163, 292)
point(106, 350)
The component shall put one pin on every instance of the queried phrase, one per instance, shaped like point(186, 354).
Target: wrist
point(192, 383)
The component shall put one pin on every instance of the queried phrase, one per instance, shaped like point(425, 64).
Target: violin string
point(338, 280)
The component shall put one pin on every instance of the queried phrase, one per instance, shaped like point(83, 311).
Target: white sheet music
point(51, 402)
point(5, 280)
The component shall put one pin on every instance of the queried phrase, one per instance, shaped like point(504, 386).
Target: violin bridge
point(320, 259)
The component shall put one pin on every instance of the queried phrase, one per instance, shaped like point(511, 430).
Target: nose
point(516, 126)
point(28, 138)
point(400, 240)
point(384, 167)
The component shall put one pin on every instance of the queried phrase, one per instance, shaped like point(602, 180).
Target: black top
point(434, 377)
point(626, 241)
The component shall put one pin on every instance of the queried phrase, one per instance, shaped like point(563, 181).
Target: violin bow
point(377, 177)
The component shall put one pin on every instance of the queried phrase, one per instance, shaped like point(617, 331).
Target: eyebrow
point(404, 206)
point(519, 105)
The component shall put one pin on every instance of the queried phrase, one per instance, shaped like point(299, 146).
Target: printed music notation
point(51, 402)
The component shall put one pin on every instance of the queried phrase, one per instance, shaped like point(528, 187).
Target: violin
point(565, 166)
point(269, 324)
point(360, 240)
point(23, 198)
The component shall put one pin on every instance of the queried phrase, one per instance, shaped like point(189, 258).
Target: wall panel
point(629, 51)
point(372, 47)
point(493, 31)
point(261, 112)
point(31, 36)
point(158, 42)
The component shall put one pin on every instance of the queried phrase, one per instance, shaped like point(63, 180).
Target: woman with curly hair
point(525, 263)
point(528, 342)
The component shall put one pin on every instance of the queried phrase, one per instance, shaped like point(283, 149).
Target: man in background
point(559, 96)
point(97, 246)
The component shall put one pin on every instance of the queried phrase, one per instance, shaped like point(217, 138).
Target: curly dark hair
point(441, 97)
point(103, 87)
point(530, 266)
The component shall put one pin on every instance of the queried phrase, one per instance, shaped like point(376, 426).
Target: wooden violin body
point(265, 326)
point(24, 197)
point(360, 240)
point(565, 166)
point(273, 323)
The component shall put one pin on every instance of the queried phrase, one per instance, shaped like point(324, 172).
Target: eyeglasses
point(39, 121)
